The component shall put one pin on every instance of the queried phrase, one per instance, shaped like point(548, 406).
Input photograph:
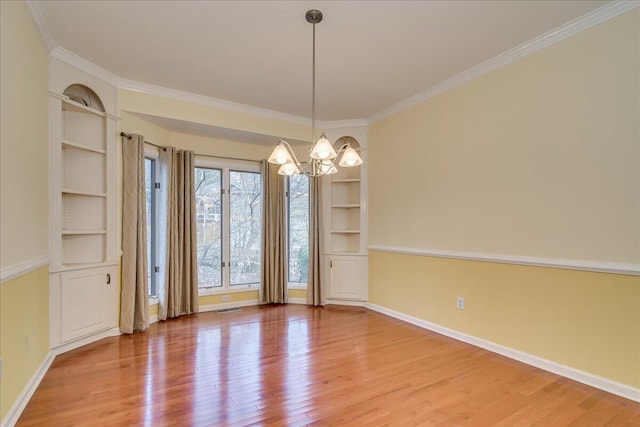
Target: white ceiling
point(370, 54)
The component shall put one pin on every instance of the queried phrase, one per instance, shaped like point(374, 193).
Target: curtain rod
point(125, 135)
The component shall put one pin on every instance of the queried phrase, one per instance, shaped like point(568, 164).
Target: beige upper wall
point(539, 158)
point(138, 102)
point(24, 170)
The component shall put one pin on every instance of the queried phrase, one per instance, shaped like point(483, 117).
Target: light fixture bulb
point(350, 158)
point(288, 169)
point(323, 150)
point(280, 155)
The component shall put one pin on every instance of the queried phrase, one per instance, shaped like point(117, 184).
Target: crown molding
point(340, 124)
point(41, 24)
point(602, 14)
point(82, 64)
point(209, 101)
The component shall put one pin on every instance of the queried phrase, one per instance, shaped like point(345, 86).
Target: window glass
point(150, 179)
point(208, 185)
point(245, 227)
point(298, 216)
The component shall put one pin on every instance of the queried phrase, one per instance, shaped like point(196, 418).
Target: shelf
point(345, 180)
point(85, 232)
point(69, 105)
point(79, 266)
point(345, 231)
point(83, 193)
point(347, 206)
point(67, 143)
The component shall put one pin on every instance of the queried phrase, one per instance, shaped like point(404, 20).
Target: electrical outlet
point(225, 298)
point(460, 303)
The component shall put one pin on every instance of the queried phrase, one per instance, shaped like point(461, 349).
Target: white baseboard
point(113, 332)
point(351, 303)
point(297, 301)
point(231, 304)
point(607, 385)
point(21, 402)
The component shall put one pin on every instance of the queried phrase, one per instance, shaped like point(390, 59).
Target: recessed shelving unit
point(345, 230)
point(345, 212)
point(83, 190)
point(82, 193)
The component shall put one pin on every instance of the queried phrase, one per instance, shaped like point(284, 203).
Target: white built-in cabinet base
point(347, 278)
point(82, 301)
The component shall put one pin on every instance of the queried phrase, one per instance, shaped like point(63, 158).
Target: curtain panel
point(178, 280)
point(134, 292)
point(273, 284)
point(315, 281)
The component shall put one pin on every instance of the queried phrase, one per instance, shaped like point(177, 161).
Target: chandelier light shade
point(280, 155)
point(350, 158)
point(322, 153)
point(323, 149)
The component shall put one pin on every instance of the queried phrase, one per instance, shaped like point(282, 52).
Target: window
point(229, 225)
point(245, 227)
point(208, 189)
point(298, 226)
point(151, 191)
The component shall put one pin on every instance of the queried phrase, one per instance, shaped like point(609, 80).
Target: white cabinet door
point(85, 302)
point(347, 277)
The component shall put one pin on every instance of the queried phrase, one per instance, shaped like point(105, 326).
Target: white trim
point(566, 264)
point(41, 24)
point(82, 64)
point(607, 385)
point(602, 14)
point(231, 304)
point(13, 271)
point(208, 101)
point(350, 303)
point(21, 402)
point(112, 332)
point(340, 124)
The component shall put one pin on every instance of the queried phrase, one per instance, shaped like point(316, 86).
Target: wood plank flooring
point(295, 365)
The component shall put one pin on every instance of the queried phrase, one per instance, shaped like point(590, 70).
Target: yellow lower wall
point(584, 320)
point(24, 332)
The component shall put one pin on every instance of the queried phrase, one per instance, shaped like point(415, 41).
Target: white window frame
point(151, 152)
point(227, 166)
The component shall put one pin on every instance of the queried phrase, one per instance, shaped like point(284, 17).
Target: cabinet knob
point(108, 278)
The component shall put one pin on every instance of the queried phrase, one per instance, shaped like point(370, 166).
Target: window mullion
point(226, 223)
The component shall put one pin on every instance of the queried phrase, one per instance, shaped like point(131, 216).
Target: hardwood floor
point(294, 365)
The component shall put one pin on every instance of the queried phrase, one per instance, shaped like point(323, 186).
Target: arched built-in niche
point(84, 96)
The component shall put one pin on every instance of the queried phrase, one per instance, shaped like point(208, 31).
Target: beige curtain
point(273, 286)
point(178, 281)
point(314, 285)
point(134, 293)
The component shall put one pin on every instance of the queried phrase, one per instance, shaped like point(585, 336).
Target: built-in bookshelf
point(345, 211)
point(83, 267)
point(346, 226)
point(84, 184)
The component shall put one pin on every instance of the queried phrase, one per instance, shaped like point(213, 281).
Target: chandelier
point(322, 155)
